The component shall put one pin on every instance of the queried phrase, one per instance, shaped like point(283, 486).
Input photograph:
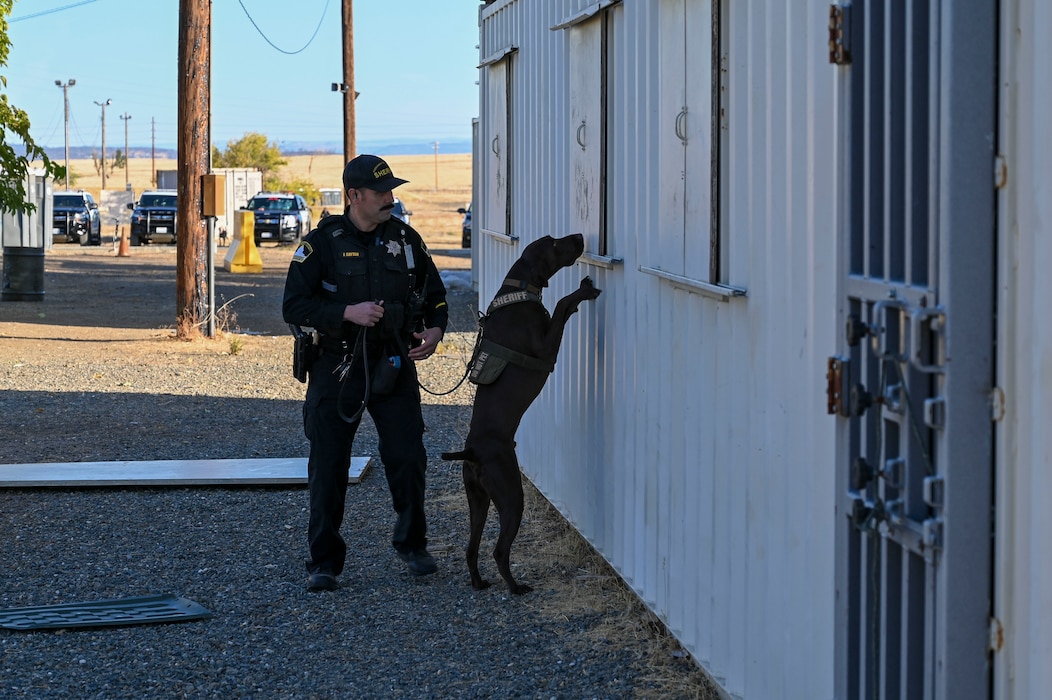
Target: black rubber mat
point(104, 613)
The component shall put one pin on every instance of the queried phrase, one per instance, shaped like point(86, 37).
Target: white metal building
point(807, 418)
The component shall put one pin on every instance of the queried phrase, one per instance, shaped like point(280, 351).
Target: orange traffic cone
point(122, 250)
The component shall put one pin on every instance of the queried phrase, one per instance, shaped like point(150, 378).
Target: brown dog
point(525, 337)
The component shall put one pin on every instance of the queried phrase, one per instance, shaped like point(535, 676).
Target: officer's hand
point(365, 313)
point(431, 338)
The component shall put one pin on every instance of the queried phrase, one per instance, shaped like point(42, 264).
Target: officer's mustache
point(387, 207)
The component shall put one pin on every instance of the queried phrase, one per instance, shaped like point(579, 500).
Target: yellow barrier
point(242, 255)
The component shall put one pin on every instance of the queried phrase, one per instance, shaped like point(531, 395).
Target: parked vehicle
point(465, 226)
point(75, 218)
point(154, 217)
point(282, 217)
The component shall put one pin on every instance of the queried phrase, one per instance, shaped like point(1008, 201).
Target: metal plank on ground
point(173, 472)
point(104, 613)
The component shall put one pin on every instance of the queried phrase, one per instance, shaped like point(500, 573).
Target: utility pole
point(194, 99)
point(350, 148)
point(103, 105)
point(127, 183)
point(435, 144)
point(153, 151)
point(65, 101)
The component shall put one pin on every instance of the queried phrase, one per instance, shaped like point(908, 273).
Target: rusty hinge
point(839, 25)
point(836, 386)
point(997, 636)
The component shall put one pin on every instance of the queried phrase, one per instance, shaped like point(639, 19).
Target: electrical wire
point(51, 11)
point(275, 46)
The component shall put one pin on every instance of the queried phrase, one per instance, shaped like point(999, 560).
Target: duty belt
point(335, 345)
point(339, 346)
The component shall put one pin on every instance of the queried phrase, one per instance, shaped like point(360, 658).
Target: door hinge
point(997, 635)
point(997, 404)
point(836, 386)
point(1000, 171)
point(839, 26)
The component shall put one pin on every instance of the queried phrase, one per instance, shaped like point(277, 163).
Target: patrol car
point(154, 217)
point(280, 217)
point(75, 218)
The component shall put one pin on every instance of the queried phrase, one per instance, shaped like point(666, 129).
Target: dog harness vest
point(490, 358)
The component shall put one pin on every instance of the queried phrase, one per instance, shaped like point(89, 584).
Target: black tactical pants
point(400, 426)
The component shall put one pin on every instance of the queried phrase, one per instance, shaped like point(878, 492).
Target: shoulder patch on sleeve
point(303, 252)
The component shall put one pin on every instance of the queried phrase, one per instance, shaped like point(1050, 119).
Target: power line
point(51, 11)
point(275, 46)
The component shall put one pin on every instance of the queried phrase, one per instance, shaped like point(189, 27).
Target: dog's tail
point(462, 455)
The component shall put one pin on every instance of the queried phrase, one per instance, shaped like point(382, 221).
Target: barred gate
point(912, 382)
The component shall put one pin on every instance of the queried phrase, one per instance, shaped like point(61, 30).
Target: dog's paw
point(520, 589)
point(588, 289)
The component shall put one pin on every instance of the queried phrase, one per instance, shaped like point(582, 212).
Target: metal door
point(913, 379)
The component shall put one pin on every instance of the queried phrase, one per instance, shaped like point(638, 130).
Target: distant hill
point(291, 148)
point(58, 153)
point(410, 148)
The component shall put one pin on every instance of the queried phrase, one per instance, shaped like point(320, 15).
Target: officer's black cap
point(370, 172)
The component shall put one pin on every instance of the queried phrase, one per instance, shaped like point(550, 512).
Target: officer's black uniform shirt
point(337, 265)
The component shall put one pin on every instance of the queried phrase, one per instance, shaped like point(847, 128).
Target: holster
point(304, 351)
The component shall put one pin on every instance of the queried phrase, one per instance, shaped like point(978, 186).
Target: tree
point(301, 186)
point(14, 167)
point(117, 162)
point(252, 151)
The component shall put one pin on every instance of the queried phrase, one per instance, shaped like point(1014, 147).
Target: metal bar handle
point(681, 126)
point(879, 329)
point(936, 320)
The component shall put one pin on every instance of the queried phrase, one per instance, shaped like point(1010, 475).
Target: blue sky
point(415, 67)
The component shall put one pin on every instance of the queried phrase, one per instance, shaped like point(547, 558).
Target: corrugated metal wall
point(691, 442)
point(1023, 558)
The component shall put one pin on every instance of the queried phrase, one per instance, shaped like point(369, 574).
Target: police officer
point(366, 283)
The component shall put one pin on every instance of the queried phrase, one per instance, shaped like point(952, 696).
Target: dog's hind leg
point(478, 508)
point(508, 500)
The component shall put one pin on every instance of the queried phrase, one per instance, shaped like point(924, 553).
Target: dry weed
point(584, 583)
point(573, 582)
point(237, 344)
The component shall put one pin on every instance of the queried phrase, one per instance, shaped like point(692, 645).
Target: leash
point(527, 292)
point(344, 368)
point(467, 366)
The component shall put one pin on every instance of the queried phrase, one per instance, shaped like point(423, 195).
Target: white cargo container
point(806, 420)
point(241, 184)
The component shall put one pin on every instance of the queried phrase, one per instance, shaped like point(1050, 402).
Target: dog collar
point(512, 298)
point(531, 288)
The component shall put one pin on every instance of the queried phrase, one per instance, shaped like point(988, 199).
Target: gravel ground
point(93, 373)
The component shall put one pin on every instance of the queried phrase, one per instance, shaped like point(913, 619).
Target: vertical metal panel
point(912, 620)
point(967, 123)
point(1023, 403)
